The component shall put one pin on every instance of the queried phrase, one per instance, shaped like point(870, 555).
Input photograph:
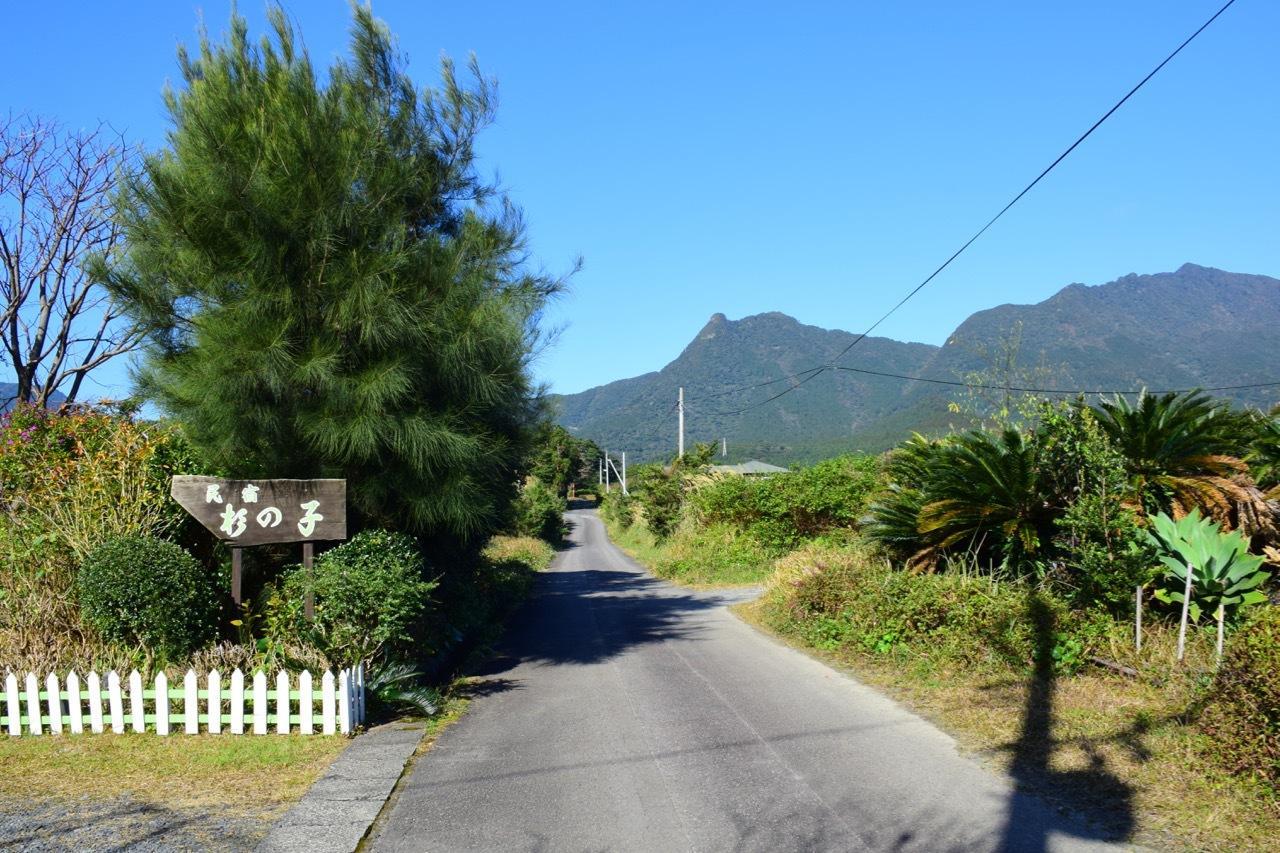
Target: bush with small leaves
point(139, 589)
point(370, 599)
point(539, 512)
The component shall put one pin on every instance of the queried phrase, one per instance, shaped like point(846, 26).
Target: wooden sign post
point(266, 512)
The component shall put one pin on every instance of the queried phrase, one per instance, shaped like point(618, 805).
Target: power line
point(994, 219)
point(955, 383)
point(756, 385)
point(1072, 392)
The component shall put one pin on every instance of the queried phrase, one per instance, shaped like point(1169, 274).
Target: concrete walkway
point(336, 813)
point(629, 714)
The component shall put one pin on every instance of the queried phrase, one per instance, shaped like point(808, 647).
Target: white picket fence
point(199, 704)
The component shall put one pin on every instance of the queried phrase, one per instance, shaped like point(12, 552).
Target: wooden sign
point(265, 512)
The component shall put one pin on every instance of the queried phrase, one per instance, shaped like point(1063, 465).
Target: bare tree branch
point(56, 323)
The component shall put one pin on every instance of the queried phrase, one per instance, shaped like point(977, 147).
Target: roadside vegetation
point(991, 578)
point(371, 320)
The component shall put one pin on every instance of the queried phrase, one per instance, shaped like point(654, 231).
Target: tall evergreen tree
point(331, 288)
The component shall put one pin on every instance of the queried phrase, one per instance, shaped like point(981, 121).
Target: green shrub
point(477, 596)
point(718, 554)
point(1105, 552)
point(139, 589)
point(617, 509)
point(1242, 712)
point(660, 494)
point(782, 511)
point(539, 512)
point(835, 597)
point(370, 599)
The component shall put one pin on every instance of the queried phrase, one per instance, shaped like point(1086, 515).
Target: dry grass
point(529, 550)
point(1131, 732)
point(254, 775)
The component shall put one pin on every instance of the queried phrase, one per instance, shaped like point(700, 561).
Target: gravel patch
point(121, 824)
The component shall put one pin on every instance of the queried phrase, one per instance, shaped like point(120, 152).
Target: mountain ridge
point(1195, 326)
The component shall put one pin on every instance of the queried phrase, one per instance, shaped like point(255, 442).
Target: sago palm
point(1183, 451)
point(984, 488)
point(894, 517)
point(1264, 456)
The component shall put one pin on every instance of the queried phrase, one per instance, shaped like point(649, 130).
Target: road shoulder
point(335, 815)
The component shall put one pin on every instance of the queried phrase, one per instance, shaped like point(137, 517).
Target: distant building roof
point(754, 466)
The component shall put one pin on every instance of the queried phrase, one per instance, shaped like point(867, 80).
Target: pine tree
point(331, 288)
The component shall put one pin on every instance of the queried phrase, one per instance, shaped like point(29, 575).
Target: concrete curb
point(336, 813)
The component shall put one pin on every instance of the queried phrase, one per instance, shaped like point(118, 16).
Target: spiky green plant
point(396, 688)
point(1223, 572)
point(1264, 455)
point(893, 519)
point(332, 290)
point(986, 486)
point(1183, 452)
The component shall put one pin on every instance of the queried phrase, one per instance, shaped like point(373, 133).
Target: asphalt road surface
point(625, 713)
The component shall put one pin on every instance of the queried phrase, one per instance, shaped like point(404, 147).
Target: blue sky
point(812, 158)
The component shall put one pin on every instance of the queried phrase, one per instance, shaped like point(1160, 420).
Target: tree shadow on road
point(585, 617)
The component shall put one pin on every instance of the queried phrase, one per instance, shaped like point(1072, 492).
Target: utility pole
point(680, 442)
point(624, 472)
point(600, 472)
point(724, 447)
point(606, 470)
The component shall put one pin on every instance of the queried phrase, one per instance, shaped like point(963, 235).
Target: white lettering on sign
point(264, 511)
point(270, 517)
point(233, 521)
point(307, 524)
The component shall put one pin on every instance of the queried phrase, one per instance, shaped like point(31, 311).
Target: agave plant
point(1215, 569)
point(1224, 575)
point(1184, 452)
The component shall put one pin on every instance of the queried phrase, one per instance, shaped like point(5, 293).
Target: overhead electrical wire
point(1071, 392)
point(813, 372)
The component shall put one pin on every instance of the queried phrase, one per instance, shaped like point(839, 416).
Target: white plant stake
point(1222, 617)
point(1186, 608)
point(1137, 618)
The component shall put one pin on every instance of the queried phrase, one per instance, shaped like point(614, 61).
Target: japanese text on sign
point(259, 512)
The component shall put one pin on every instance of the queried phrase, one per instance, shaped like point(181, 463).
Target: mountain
point(638, 415)
point(1195, 327)
point(9, 394)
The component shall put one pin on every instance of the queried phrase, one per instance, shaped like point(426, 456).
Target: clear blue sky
point(816, 159)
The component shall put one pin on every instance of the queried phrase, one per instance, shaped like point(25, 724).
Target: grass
point(260, 775)
point(715, 556)
point(529, 550)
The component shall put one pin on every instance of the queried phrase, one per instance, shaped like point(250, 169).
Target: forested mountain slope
point(1196, 326)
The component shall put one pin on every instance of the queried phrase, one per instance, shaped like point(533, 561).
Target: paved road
point(629, 714)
